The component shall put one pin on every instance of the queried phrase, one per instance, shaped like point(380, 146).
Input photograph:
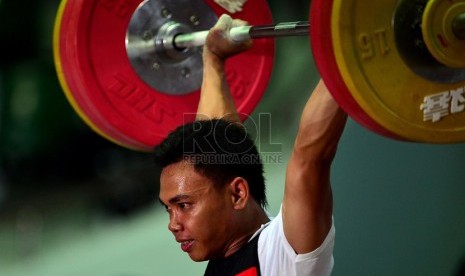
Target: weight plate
point(323, 54)
point(383, 84)
point(113, 99)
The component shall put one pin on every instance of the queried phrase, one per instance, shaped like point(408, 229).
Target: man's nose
point(174, 225)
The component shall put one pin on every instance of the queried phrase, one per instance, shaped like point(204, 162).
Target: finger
point(224, 22)
point(239, 23)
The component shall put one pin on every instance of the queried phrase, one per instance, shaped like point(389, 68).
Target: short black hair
point(219, 150)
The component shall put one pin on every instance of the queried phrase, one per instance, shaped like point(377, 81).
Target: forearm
point(308, 203)
point(321, 127)
point(215, 97)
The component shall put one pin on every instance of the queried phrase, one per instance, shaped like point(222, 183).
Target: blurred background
point(73, 203)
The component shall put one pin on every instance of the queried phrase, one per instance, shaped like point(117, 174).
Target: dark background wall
point(72, 203)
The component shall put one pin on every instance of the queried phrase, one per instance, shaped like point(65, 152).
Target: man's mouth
point(186, 246)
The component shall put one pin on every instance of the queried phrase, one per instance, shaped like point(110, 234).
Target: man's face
point(200, 214)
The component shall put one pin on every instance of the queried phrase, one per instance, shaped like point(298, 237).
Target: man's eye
point(184, 205)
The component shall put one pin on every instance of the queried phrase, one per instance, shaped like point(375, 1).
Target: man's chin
point(197, 258)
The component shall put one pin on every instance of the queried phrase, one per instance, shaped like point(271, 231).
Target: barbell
point(132, 70)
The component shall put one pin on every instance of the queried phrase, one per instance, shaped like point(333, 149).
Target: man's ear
point(239, 188)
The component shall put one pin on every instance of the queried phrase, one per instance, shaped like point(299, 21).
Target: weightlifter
point(217, 210)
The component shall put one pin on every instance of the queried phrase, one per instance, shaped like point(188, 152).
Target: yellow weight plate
point(420, 102)
point(438, 32)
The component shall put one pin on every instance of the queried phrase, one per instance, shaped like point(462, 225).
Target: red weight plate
point(323, 53)
point(104, 89)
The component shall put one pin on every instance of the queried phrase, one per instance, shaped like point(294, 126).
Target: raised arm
point(215, 98)
point(308, 204)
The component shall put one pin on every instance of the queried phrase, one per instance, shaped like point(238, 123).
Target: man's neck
point(253, 220)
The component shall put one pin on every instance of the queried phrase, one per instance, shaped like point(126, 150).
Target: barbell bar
point(285, 29)
point(135, 76)
point(196, 39)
